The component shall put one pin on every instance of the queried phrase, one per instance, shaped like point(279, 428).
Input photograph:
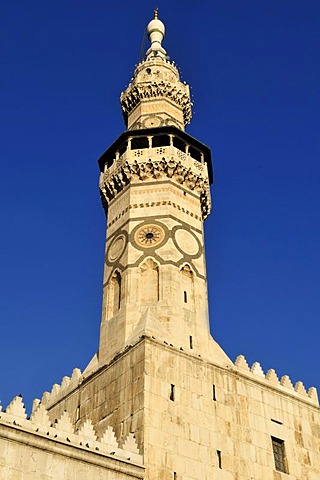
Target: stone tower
point(159, 381)
point(155, 190)
point(158, 373)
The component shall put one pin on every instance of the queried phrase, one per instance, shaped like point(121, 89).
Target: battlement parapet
point(59, 391)
point(270, 378)
point(63, 430)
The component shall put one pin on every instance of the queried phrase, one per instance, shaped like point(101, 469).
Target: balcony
point(166, 144)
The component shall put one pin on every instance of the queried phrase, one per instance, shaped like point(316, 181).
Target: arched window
point(114, 296)
point(187, 287)
point(149, 287)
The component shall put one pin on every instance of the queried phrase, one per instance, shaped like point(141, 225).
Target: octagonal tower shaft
point(154, 185)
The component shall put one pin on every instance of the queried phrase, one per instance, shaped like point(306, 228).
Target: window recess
point(279, 454)
point(172, 392)
point(214, 398)
point(219, 456)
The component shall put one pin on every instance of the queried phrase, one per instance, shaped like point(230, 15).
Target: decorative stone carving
point(177, 93)
point(133, 170)
point(149, 236)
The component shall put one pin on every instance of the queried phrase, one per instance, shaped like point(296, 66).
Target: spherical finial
point(155, 13)
point(156, 31)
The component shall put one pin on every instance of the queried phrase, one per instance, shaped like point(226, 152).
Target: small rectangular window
point(219, 459)
point(214, 393)
point(174, 475)
point(279, 455)
point(172, 392)
point(185, 297)
point(191, 342)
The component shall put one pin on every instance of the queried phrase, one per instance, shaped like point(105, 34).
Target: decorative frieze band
point(113, 183)
point(177, 93)
point(150, 205)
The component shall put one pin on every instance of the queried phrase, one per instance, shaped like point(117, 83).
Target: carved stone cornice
point(125, 172)
point(178, 93)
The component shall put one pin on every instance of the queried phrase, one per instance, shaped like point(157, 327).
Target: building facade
point(161, 399)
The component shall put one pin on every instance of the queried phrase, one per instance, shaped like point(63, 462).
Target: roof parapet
point(59, 391)
point(63, 430)
point(284, 384)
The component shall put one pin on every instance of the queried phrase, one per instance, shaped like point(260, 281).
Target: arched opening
point(149, 287)
point(114, 296)
point(187, 286)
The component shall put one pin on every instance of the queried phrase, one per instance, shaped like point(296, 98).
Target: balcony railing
point(156, 153)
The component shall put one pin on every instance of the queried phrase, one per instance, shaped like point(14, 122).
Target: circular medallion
point(153, 122)
point(186, 241)
point(116, 248)
point(149, 236)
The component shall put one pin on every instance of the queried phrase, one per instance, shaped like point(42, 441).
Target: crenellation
point(45, 398)
point(16, 409)
point(257, 370)
point(241, 362)
point(55, 390)
point(272, 379)
point(286, 382)
point(299, 388)
point(36, 402)
point(130, 448)
point(313, 394)
point(40, 418)
point(63, 424)
point(76, 375)
point(108, 440)
point(59, 392)
point(65, 382)
point(63, 430)
point(86, 431)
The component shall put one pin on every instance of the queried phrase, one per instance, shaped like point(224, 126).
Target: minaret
point(159, 381)
point(154, 186)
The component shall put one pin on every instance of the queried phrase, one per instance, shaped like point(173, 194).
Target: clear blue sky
point(254, 71)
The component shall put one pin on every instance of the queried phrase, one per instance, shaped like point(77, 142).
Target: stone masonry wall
point(197, 420)
point(111, 396)
point(219, 421)
point(36, 449)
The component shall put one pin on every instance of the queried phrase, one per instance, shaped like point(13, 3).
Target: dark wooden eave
point(109, 155)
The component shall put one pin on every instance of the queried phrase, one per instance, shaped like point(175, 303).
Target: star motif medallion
point(149, 236)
